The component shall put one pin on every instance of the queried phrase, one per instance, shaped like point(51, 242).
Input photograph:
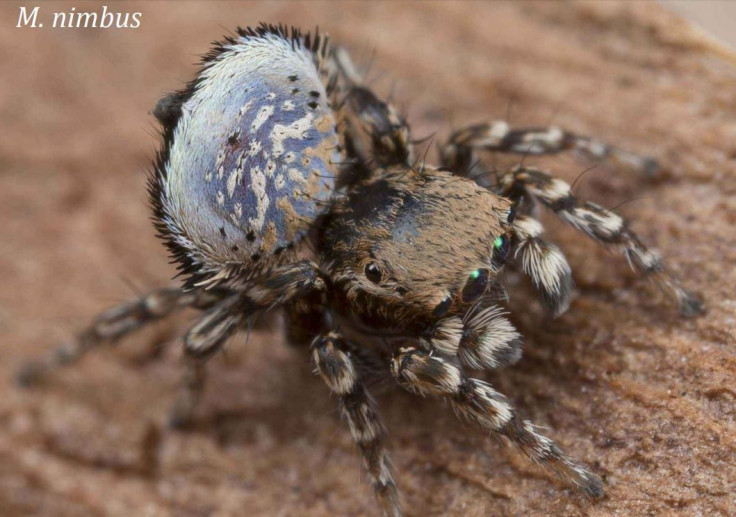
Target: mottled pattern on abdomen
point(254, 155)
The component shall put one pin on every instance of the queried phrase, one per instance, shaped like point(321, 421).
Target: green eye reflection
point(501, 248)
point(476, 285)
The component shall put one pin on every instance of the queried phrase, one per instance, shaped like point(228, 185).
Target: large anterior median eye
point(475, 285)
point(501, 248)
point(372, 272)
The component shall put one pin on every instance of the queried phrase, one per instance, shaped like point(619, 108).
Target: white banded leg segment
point(548, 454)
point(421, 373)
point(489, 340)
point(283, 284)
point(425, 374)
point(544, 263)
point(335, 364)
point(377, 133)
point(498, 136)
point(445, 336)
point(201, 342)
point(604, 226)
point(114, 324)
point(279, 286)
point(209, 334)
point(484, 338)
point(214, 328)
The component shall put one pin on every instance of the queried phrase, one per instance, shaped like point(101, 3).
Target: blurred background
point(714, 17)
point(643, 397)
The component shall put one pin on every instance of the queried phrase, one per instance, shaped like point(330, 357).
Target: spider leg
point(207, 337)
point(376, 134)
point(483, 339)
point(203, 341)
point(336, 365)
point(191, 388)
point(604, 226)
point(543, 262)
point(458, 154)
point(422, 373)
point(304, 319)
point(116, 323)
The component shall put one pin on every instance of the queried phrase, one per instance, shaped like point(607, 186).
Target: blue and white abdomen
point(250, 157)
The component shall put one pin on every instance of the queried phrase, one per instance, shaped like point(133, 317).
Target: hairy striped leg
point(430, 375)
point(277, 287)
point(483, 338)
point(377, 134)
point(543, 262)
point(201, 342)
point(604, 226)
point(498, 136)
point(337, 367)
point(118, 322)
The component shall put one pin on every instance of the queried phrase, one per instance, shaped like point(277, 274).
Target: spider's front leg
point(543, 262)
point(114, 324)
point(483, 339)
point(279, 286)
point(604, 226)
point(425, 374)
point(458, 154)
point(337, 366)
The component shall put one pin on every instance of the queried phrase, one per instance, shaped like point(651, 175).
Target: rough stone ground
point(645, 398)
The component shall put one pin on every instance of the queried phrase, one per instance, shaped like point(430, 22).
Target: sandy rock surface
point(620, 381)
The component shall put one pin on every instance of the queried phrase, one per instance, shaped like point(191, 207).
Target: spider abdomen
point(253, 154)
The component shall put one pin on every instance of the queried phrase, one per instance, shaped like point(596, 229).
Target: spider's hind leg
point(202, 342)
point(458, 154)
point(115, 323)
point(376, 134)
point(280, 286)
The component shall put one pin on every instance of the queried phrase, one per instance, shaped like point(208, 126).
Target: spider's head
point(409, 248)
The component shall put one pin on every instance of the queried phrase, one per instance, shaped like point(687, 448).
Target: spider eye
point(475, 285)
point(511, 215)
point(501, 248)
point(372, 272)
point(442, 307)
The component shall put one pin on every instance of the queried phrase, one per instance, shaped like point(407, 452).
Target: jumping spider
point(277, 141)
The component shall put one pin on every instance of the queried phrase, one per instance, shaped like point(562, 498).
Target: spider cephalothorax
point(278, 141)
point(407, 248)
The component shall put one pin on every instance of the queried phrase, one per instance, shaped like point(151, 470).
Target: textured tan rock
point(645, 398)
